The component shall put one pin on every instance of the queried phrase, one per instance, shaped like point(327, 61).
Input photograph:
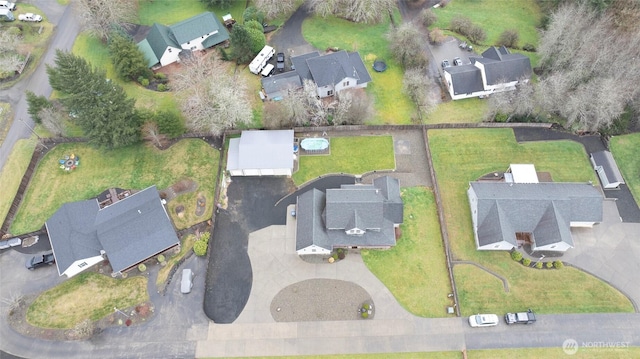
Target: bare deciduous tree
point(417, 85)
point(358, 107)
point(437, 36)
point(274, 8)
point(276, 115)
point(10, 62)
point(427, 17)
point(509, 38)
point(103, 16)
point(8, 40)
point(366, 11)
point(406, 43)
point(151, 133)
point(211, 99)
point(52, 120)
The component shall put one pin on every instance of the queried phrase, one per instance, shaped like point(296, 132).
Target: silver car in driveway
point(483, 320)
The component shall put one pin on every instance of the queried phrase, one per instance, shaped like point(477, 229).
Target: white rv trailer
point(260, 61)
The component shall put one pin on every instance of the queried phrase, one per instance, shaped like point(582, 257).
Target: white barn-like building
point(261, 153)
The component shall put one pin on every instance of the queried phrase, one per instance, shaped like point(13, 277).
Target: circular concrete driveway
point(254, 203)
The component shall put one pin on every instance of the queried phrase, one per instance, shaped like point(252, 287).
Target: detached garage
point(261, 153)
point(607, 169)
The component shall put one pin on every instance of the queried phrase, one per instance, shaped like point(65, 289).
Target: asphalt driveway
point(254, 203)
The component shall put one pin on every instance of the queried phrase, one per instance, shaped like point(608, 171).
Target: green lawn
point(135, 167)
point(85, 296)
point(12, 173)
point(415, 270)
point(392, 105)
point(352, 155)
point(460, 156)
point(625, 150)
point(170, 12)
point(460, 111)
point(494, 17)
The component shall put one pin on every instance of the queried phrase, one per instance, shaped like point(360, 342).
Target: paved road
point(64, 35)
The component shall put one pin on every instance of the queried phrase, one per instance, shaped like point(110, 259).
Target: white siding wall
point(196, 44)
point(498, 246)
point(171, 55)
point(313, 249)
point(82, 265)
point(555, 247)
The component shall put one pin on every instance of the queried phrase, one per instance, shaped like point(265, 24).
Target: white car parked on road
point(30, 17)
point(483, 320)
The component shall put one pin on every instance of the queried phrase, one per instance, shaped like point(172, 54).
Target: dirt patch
point(201, 204)
point(180, 211)
point(131, 316)
point(181, 187)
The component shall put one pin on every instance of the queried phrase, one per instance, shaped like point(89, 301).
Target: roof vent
point(139, 211)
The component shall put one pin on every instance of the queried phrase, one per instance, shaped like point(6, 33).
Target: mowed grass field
point(350, 155)
point(12, 172)
point(415, 270)
point(625, 150)
point(85, 296)
point(460, 156)
point(391, 104)
point(135, 167)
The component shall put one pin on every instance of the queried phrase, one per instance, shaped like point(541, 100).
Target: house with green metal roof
point(164, 44)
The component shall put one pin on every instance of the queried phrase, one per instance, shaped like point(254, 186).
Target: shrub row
point(463, 26)
point(517, 256)
point(200, 246)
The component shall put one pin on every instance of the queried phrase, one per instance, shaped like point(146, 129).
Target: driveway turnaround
point(254, 203)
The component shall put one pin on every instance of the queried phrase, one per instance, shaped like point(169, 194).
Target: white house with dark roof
point(163, 44)
point(352, 216)
point(495, 71)
point(607, 169)
point(126, 233)
point(332, 73)
point(511, 213)
point(261, 153)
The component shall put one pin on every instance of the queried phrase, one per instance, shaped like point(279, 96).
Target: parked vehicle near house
point(8, 243)
point(6, 15)
point(40, 260)
point(260, 61)
point(31, 17)
point(483, 320)
point(528, 317)
point(187, 281)
point(4, 4)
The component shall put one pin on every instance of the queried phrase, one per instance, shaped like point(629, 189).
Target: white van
point(187, 281)
point(268, 70)
point(4, 4)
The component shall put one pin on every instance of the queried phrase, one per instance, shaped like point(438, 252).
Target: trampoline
point(379, 65)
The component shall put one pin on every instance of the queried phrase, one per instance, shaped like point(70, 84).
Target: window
point(313, 250)
point(83, 264)
point(345, 84)
point(188, 42)
point(330, 93)
point(169, 50)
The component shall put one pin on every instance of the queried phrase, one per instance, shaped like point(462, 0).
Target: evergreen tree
point(127, 58)
point(101, 108)
point(246, 41)
point(36, 104)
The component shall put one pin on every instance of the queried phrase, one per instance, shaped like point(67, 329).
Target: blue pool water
point(314, 144)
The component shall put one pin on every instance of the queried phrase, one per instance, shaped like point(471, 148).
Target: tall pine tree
point(101, 108)
point(127, 58)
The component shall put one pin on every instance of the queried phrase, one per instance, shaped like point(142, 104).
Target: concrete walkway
point(275, 266)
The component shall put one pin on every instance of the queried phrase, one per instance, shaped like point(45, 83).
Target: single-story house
point(352, 216)
point(507, 214)
point(126, 232)
point(261, 153)
point(607, 169)
point(332, 73)
point(495, 71)
point(163, 44)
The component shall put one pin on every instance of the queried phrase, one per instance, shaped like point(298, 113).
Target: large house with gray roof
point(332, 73)
point(163, 44)
point(510, 213)
point(352, 216)
point(495, 71)
point(126, 233)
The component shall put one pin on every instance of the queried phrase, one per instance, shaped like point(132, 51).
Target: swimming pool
point(314, 144)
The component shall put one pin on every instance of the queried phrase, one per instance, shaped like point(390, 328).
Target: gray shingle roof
point(465, 79)
point(135, 229)
point(545, 209)
point(302, 68)
point(261, 150)
point(322, 219)
point(605, 159)
point(332, 68)
point(129, 231)
point(72, 233)
point(277, 85)
point(502, 66)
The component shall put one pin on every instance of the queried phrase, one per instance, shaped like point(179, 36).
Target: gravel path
point(319, 299)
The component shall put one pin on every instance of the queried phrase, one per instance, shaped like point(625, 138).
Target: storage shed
point(607, 169)
point(261, 153)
